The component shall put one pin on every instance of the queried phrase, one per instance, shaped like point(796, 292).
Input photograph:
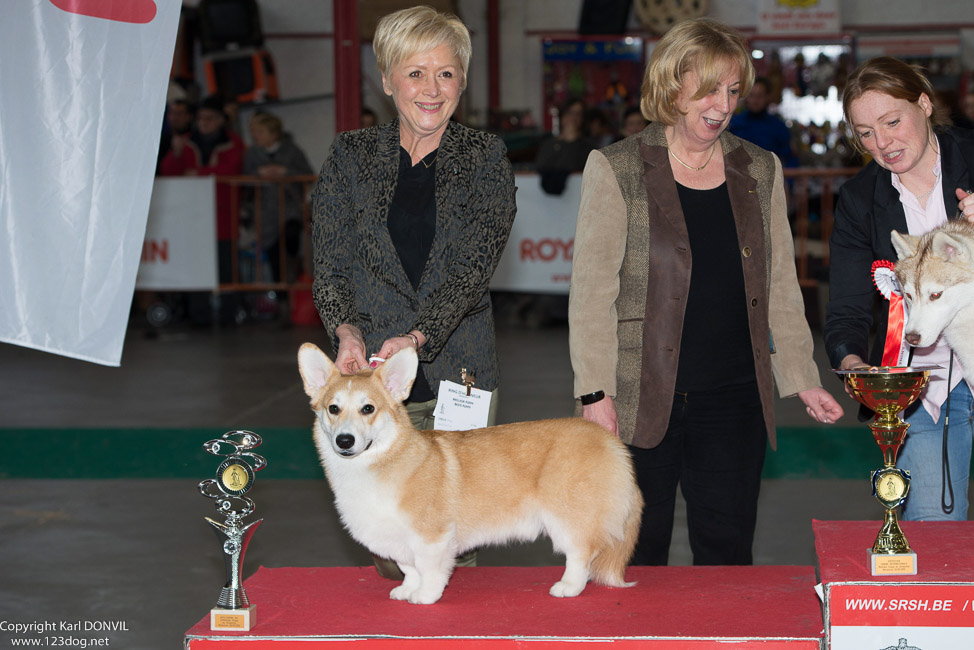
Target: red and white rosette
point(895, 350)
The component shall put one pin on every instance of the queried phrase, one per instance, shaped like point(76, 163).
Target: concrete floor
point(139, 552)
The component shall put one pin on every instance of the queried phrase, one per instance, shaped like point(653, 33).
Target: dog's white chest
point(369, 509)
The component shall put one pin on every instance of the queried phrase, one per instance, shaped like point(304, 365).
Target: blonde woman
point(685, 309)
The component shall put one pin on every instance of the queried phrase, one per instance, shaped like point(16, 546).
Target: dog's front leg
point(409, 586)
point(435, 565)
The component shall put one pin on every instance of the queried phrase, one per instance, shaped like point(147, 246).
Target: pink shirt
point(919, 220)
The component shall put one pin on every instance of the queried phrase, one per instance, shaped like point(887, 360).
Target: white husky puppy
point(936, 272)
point(422, 497)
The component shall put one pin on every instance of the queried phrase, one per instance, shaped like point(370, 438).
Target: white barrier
point(179, 251)
point(538, 257)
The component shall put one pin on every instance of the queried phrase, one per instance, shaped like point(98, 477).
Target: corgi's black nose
point(345, 441)
point(912, 338)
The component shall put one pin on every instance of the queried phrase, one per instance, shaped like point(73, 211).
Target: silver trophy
point(234, 478)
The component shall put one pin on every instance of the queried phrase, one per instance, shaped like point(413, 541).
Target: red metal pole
point(493, 56)
point(348, 66)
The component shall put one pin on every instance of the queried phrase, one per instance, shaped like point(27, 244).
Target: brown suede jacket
point(625, 329)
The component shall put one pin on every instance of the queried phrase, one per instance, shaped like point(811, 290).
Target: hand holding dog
point(821, 405)
point(392, 345)
point(965, 207)
point(350, 357)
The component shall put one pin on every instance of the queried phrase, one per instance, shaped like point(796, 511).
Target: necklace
point(691, 168)
point(920, 197)
point(430, 164)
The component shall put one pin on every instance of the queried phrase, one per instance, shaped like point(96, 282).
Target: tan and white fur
point(423, 497)
point(936, 271)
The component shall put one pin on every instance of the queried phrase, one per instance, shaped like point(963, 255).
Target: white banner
point(84, 88)
point(179, 251)
point(798, 17)
point(538, 257)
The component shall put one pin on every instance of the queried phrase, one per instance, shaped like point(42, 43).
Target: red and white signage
point(798, 17)
point(538, 257)
point(883, 615)
point(179, 251)
point(84, 89)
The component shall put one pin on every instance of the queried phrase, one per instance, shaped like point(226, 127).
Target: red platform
point(933, 609)
point(690, 608)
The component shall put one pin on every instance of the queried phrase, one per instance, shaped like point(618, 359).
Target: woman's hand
point(852, 362)
point(821, 405)
point(965, 205)
point(603, 413)
point(397, 343)
point(350, 357)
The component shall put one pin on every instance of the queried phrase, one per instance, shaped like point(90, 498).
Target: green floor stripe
point(145, 453)
point(823, 452)
point(803, 453)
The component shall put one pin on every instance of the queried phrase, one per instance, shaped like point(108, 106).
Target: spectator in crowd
point(564, 153)
point(274, 156)
point(598, 128)
point(180, 115)
point(368, 118)
point(409, 221)
point(920, 170)
point(677, 358)
point(756, 124)
point(633, 121)
point(213, 150)
point(968, 106)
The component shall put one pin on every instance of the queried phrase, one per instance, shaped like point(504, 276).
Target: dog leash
point(946, 486)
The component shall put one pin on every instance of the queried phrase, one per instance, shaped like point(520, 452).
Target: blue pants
point(922, 455)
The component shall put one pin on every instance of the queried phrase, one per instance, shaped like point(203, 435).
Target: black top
point(412, 226)
point(715, 348)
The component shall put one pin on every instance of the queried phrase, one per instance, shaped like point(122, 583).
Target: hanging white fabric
point(83, 94)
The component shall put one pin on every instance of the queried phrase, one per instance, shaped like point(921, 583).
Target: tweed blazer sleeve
point(476, 188)
point(792, 362)
point(600, 246)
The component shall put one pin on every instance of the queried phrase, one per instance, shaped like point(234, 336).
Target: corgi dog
point(423, 497)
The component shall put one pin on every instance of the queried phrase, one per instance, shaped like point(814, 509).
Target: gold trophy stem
point(891, 538)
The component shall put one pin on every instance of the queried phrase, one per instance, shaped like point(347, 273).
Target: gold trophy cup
point(887, 391)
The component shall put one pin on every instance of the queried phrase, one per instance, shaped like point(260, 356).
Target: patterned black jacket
point(359, 279)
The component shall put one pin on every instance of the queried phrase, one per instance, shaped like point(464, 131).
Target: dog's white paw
point(402, 592)
point(562, 589)
point(421, 597)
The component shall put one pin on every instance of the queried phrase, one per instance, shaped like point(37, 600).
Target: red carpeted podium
point(690, 608)
point(933, 609)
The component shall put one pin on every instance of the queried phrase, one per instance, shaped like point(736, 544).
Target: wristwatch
point(592, 398)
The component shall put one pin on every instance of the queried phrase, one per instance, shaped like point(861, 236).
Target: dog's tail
point(609, 564)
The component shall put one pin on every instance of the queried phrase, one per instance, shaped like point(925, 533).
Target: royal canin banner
point(538, 256)
point(84, 91)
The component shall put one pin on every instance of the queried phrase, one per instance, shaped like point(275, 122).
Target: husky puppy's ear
point(398, 373)
point(905, 245)
point(315, 368)
point(945, 246)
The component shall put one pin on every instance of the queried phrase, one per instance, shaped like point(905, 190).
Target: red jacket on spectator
point(226, 159)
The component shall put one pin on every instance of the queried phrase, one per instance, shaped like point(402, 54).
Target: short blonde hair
point(408, 32)
point(899, 80)
point(701, 45)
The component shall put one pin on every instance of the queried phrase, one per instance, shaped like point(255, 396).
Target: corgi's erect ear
point(948, 247)
point(398, 373)
point(905, 245)
point(315, 368)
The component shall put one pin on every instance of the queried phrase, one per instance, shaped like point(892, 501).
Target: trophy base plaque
point(233, 620)
point(892, 564)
